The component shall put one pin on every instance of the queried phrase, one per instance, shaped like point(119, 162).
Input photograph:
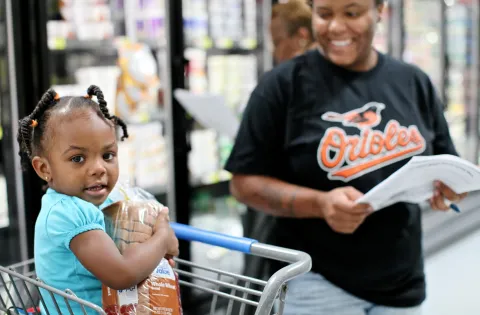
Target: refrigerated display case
point(423, 37)
point(439, 40)
point(114, 44)
point(225, 49)
point(226, 45)
point(459, 73)
point(442, 39)
point(23, 75)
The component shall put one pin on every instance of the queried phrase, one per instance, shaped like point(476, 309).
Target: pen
point(455, 208)
point(452, 206)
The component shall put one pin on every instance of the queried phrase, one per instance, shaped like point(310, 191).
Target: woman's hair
point(377, 2)
point(295, 14)
point(32, 127)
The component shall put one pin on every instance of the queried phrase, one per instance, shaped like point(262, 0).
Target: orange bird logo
point(365, 117)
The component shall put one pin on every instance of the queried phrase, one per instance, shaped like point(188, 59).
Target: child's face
point(82, 156)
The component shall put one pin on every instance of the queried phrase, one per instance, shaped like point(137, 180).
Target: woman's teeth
point(341, 43)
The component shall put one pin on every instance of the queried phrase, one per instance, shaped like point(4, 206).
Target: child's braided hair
point(32, 127)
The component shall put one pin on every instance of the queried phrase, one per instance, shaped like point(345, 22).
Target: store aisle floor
point(453, 277)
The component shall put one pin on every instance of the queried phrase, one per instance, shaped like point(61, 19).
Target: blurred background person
point(291, 29)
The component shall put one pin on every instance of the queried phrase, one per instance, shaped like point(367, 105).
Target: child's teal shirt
point(62, 218)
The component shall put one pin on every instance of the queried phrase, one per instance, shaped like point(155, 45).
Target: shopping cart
point(20, 289)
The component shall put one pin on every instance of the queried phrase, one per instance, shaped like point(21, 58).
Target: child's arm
point(98, 253)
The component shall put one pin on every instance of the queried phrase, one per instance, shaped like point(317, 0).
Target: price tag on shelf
point(224, 43)
point(58, 43)
point(248, 43)
point(206, 43)
point(144, 117)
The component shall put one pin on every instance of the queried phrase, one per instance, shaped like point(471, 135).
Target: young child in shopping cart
point(71, 142)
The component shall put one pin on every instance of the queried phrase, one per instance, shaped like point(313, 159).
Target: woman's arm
point(98, 253)
point(277, 197)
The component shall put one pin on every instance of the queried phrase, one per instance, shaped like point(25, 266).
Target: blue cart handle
point(188, 233)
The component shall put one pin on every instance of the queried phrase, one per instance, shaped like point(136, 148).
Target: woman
point(291, 29)
point(318, 132)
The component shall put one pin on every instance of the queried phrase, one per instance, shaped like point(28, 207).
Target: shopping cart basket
point(20, 289)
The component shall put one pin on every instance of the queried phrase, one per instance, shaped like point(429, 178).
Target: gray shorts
point(312, 294)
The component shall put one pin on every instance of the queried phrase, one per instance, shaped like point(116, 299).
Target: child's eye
point(77, 159)
point(108, 156)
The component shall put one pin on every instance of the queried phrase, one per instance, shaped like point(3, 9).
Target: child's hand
point(163, 221)
point(162, 225)
point(171, 262)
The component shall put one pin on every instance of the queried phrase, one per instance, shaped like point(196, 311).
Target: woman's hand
point(341, 212)
point(442, 192)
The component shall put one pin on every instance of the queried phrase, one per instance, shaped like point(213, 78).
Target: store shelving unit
point(23, 79)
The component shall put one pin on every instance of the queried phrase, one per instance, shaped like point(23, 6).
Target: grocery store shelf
point(230, 51)
point(62, 45)
point(107, 45)
point(226, 45)
point(215, 190)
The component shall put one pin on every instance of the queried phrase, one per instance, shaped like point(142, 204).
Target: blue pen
point(452, 206)
point(455, 208)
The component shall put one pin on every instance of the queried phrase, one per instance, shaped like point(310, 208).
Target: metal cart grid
point(22, 293)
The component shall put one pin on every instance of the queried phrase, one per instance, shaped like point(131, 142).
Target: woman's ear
point(303, 37)
point(42, 168)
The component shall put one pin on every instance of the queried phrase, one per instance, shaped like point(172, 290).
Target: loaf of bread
point(129, 223)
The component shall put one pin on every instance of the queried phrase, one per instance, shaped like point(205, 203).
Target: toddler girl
point(71, 143)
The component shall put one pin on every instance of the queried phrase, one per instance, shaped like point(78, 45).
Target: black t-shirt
point(317, 125)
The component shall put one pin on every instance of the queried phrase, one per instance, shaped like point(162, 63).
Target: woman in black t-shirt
point(318, 132)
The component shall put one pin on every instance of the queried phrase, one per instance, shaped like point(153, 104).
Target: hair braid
point(95, 90)
point(24, 139)
point(123, 125)
point(28, 123)
point(48, 99)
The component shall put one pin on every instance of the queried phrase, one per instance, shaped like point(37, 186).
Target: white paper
point(414, 182)
point(209, 110)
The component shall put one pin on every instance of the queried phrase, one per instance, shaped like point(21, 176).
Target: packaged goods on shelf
point(138, 83)
point(143, 156)
point(423, 47)
point(197, 77)
point(195, 22)
point(82, 20)
point(203, 158)
point(146, 19)
point(232, 76)
point(84, 11)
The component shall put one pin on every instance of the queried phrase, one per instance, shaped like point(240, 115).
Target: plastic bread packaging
point(128, 222)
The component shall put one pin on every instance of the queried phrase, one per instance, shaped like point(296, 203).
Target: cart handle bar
point(189, 233)
point(300, 262)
